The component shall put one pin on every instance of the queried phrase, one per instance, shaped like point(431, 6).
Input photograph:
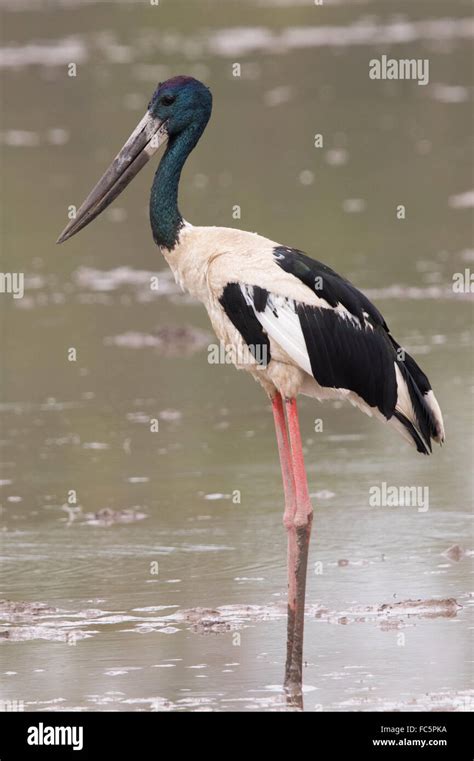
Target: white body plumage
point(208, 260)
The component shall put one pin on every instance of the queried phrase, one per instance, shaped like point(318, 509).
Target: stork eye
point(167, 100)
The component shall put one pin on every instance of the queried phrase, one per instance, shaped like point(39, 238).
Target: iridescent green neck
point(166, 220)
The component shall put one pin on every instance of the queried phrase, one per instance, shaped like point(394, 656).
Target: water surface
point(204, 489)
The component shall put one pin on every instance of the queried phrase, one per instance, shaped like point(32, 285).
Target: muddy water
point(162, 585)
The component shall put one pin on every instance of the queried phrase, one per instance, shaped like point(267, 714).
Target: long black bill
point(144, 141)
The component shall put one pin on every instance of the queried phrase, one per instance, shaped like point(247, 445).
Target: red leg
point(288, 520)
point(303, 518)
point(304, 510)
point(285, 460)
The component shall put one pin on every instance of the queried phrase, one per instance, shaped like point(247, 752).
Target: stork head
point(181, 104)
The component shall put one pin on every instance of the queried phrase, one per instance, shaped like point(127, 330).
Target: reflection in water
point(185, 609)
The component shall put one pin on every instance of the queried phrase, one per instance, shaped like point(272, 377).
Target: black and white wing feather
point(343, 343)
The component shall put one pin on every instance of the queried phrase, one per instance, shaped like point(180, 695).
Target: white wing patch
point(432, 403)
point(281, 322)
point(404, 403)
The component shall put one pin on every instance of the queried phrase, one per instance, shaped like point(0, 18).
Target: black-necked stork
point(292, 322)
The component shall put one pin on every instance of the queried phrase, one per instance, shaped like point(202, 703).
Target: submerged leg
point(288, 520)
point(303, 517)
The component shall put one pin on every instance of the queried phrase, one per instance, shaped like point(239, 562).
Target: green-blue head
point(178, 112)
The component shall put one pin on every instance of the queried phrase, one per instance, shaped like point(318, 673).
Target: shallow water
point(189, 516)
